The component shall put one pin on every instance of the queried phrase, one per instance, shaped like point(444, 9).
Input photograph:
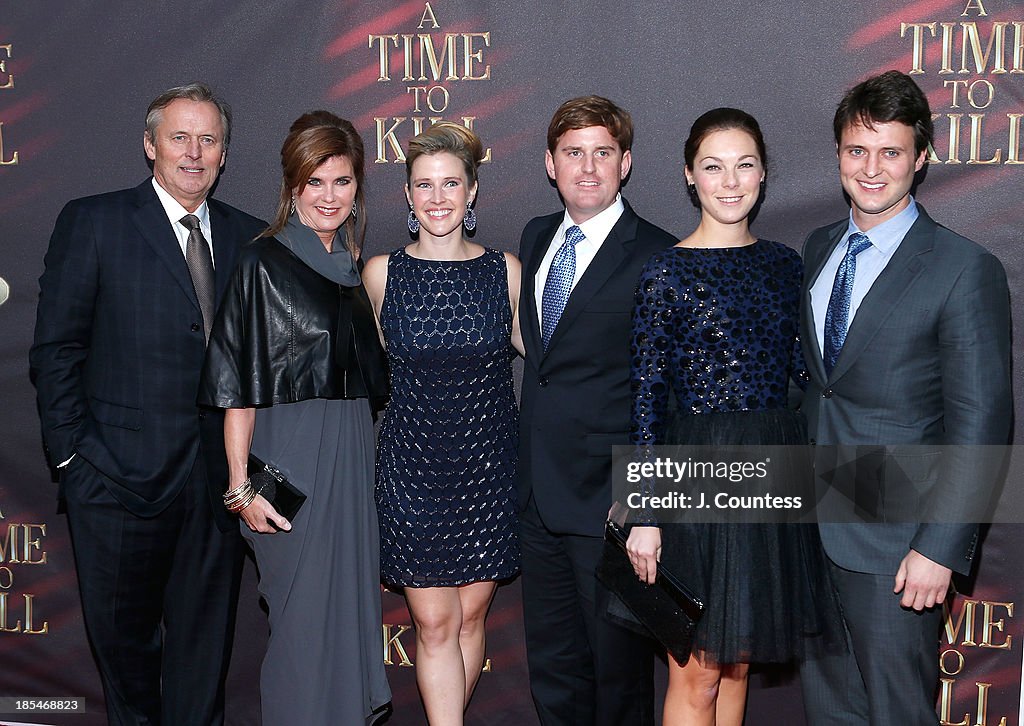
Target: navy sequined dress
point(446, 457)
point(714, 347)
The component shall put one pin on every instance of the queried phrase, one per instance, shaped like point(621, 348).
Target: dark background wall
point(77, 77)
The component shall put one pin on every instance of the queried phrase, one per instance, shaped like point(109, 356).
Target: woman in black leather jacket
point(295, 358)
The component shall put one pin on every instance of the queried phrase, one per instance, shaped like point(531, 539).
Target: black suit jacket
point(926, 362)
point(576, 399)
point(119, 346)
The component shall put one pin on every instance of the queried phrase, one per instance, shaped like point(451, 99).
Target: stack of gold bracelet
point(240, 497)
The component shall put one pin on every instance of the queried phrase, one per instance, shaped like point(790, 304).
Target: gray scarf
point(337, 266)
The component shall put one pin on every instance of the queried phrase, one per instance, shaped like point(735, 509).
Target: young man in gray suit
point(906, 334)
point(580, 269)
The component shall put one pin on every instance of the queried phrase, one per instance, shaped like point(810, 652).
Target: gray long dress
point(324, 662)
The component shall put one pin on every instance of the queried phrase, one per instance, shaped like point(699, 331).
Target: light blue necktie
point(559, 283)
point(837, 317)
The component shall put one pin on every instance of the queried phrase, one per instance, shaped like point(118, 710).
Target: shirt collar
point(887, 236)
point(597, 227)
point(175, 211)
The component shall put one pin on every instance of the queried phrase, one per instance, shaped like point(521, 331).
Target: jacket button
point(202, 415)
point(542, 381)
point(195, 327)
point(827, 393)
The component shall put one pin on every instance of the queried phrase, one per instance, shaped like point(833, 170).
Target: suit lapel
point(613, 250)
point(529, 319)
point(225, 246)
point(883, 299)
point(814, 265)
point(151, 221)
point(835, 233)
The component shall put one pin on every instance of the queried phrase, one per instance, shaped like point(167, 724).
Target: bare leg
point(732, 695)
point(475, 599)
point(692, 696)
point(440, 672)
point(450, 638)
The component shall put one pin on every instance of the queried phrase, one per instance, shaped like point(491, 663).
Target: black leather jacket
point(285, 333)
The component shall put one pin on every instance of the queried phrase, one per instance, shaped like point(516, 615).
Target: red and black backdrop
point(75, 79)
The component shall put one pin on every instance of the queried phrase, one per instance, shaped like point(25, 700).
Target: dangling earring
point(414, 224)
point(692, 188)
point(355, 211)
point(469, 218)
point(291, 209)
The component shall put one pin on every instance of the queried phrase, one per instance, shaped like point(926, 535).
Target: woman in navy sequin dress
point(446, 459)
point(715, 327)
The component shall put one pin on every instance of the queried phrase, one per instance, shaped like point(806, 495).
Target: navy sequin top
point(718, 327)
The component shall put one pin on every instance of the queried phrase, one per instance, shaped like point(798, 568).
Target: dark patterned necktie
point(200, 266)
point(837, 317)
point(559, 283)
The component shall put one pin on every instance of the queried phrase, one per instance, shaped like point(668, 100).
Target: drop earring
point(469, 218)
point(414, 224)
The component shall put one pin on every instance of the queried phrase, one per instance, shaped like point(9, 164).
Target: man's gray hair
point(191, 92)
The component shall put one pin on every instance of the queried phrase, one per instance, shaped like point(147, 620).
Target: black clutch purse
point(668, 609)
point(272, 485)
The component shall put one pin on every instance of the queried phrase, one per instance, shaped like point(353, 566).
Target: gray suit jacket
point(926, 361)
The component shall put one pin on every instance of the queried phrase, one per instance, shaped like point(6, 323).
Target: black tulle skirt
point(766, 587)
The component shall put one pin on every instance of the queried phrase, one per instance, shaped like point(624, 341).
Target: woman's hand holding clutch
point(644, 549)
point(260, 516)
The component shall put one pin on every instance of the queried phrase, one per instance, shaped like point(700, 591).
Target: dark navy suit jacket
point(576, 400)
point(119, 346)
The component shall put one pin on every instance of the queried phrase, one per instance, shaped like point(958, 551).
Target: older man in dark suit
point(127, 298)
point(580, 269)
point(906, 333)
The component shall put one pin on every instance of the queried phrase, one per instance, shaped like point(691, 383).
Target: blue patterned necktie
point(559, 283)
point(837, 317)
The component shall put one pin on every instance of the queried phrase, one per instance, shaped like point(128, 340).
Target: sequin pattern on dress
point(715, 330)
point(446, 460)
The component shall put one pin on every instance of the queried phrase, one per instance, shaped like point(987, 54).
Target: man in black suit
point(125, 307)
point(580, 269)
point(906, 334)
